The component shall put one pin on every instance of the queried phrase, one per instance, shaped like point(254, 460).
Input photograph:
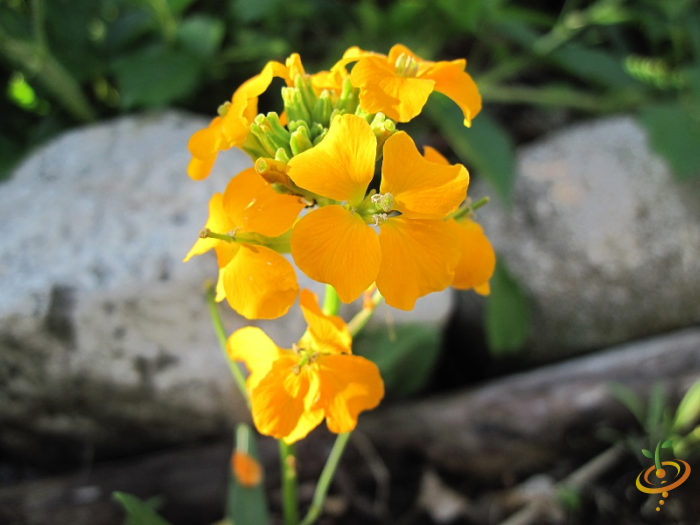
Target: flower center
point(406, 66)
point(384, 201)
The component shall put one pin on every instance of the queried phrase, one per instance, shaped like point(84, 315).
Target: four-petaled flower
point(416, 251)
point(293, 390)
point(257, 281)
point(399, 84)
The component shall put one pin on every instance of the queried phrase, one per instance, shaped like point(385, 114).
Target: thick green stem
point(290, 504)
point(331, 302)
point(326, 478)
point(221, 336)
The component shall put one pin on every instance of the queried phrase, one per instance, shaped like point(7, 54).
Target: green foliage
point(139, 512)
point(486, 145)
point(406, 355)
point(647, 453)
point(508, 317)
point(674, 132)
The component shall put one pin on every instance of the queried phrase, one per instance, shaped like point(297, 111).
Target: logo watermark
point(662, 482)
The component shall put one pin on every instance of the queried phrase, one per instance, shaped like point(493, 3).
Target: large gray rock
point(105, 336)
point(603, 239)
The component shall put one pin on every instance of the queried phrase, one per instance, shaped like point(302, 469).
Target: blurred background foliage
point(538, 64)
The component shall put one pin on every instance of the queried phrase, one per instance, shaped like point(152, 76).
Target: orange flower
point(415, 252)
point(292, 391)
point(231, 127)
point(477, 259)
point(257, 281)
point(398, 85)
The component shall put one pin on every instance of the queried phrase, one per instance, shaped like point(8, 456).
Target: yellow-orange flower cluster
point(311, 194)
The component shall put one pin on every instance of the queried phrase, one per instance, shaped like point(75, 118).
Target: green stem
point(290, 505)
point(34, 60)
point(221, 336)
point(324, 481)
point(560, 97)
point(361, 318)
point(471, 208)
point(331, 301)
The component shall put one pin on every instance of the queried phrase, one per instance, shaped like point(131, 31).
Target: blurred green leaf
point(405, 356)
point(246, 11)
point(486, 146)
point(129, 26)
point(674, 133)
point(246, 504)
point(138, 512)
point(688, 410)
point(632, 401)
point(655, 411)
point(201, 35)
point(178, 7)
point(593, 66)
point(507, 313)
point(156, 76)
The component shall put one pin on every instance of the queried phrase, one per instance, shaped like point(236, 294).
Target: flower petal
point(477, 258)
point(199, 169)
point(255, 207)
point(341, 166)
point(218, 222)
point(349, 384)
point(332, 245)
point(330, 333)
point(418, 257)
point(433, 155)
point(382, 89)
point(451, 80)
point(421, 189)
point(252, 346)
point(259, 283)
point(278, 401)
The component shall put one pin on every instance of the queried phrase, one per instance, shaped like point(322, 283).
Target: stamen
point(384, 201)
point(406, 66)
point(379, 218)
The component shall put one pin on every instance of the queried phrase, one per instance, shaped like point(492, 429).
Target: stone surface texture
point(603, 239)
point(105, 336)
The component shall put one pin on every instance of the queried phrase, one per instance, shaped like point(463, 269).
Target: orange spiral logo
point(661, 484)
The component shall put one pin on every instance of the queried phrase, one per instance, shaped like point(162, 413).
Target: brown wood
point(522, 423)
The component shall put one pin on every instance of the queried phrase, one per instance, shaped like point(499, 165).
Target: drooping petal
point(218, 222)
point(330, 333)
point(433, 155)
point(477, 258)
point(259, 283)
point(199, 169)
point(255, 207)
point(332, 245)
point(349, 384)
point(204, 145)
point(342, 165)
point(418, 257)
point(252, 346)
point(278, 401)
point(421, 189)
point(382, 89)
point(451, 80)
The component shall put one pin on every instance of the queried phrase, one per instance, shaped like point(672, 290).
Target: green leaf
point(647, 453)
point(246, 11)
point(632, 401)
point(657, 402)
point(674, 133)
point(200, 35)
point(138, 512)
point(156, 76)
point(667, 443)
point(508, 317)
point(178, 6)
point(593, 65)
point(486, 145)
point(688, 410)
point(405, 356)
point(246, 504)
